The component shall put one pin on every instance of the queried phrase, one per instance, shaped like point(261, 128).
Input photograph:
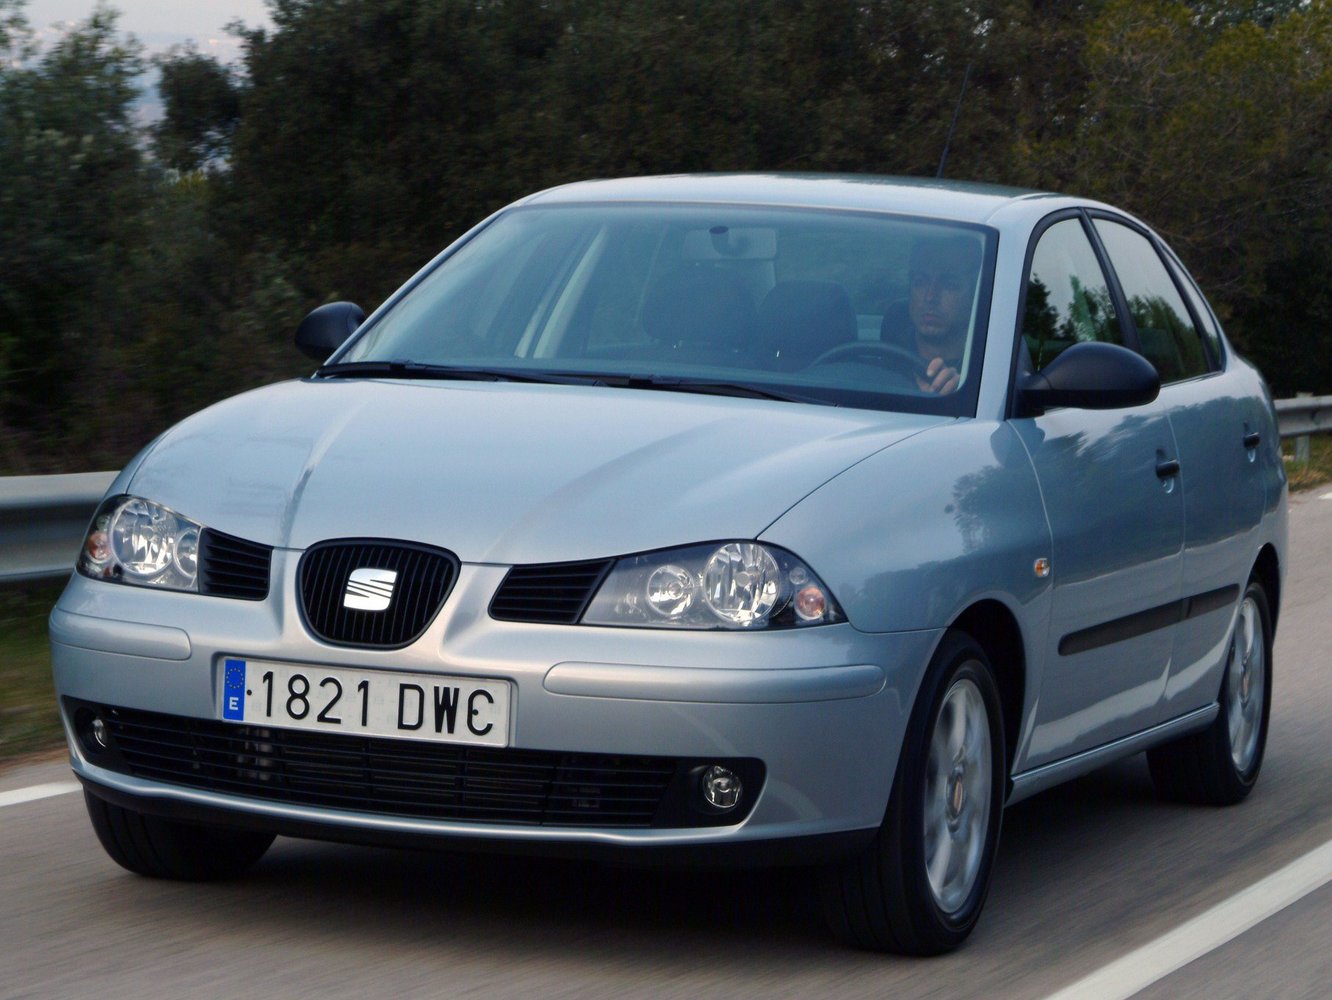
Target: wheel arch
point(996, 628)
point(1267, 569)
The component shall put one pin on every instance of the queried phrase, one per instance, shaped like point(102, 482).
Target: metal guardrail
point(42, 521)
point(1302, 416)
point(43, 518)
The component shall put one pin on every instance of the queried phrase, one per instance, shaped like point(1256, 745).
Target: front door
point(1116, 514)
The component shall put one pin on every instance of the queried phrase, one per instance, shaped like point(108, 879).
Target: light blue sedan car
point(721, 519)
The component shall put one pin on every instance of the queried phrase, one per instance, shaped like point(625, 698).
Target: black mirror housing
point(327, 328)
point(1090, 376)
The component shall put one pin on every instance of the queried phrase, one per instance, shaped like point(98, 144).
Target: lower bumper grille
point(404, 778)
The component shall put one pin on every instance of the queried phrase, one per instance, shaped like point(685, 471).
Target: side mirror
point(1090, 376)
point(327, 328)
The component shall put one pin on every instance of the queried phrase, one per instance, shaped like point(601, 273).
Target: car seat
point(701, 314)
point(804, 319)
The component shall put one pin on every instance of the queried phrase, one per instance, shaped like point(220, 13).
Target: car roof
point(955, 200)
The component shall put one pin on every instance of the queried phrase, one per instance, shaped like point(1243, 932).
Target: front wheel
point(162, 848)
point(919, 887)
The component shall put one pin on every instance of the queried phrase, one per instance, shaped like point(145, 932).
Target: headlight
point(733, 585)
point(136, 541)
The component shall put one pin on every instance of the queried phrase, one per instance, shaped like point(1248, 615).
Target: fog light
point(721, 787)
point(100, 734)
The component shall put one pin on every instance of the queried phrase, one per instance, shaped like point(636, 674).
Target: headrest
point(803, 319)
point(700, 305)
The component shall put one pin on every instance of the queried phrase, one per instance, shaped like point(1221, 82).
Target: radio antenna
point(957, 108)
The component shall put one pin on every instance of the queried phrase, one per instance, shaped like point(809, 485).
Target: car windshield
point(840, 308)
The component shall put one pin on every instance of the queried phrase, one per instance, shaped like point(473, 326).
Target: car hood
point(503, 472)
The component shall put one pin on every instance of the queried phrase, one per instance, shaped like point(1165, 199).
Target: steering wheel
point(876, 352)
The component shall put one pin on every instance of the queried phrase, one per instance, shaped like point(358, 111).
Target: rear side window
point(1068, 299)
point(1166, 333)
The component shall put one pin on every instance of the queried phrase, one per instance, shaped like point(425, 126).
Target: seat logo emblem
point(369, 589)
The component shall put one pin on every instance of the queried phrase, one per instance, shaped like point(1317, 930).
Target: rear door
point(1218, 424)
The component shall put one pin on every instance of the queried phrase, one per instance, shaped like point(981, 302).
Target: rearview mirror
point(730, 243)
point(1090, 376)
point(327, 328)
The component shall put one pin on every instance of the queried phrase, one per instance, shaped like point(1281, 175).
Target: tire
point(1219, 765)
point(160, 848)
point(919, 887)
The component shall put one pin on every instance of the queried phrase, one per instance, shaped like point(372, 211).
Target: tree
point(201, 107)
point(68, 207)
point(357, 138)
point(1217, 130)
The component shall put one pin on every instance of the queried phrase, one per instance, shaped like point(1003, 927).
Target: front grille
point(552, 593)
point(424, 578)
point(394, 777)
point(232, 567)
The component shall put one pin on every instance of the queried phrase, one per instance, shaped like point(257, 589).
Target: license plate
point(366, 702)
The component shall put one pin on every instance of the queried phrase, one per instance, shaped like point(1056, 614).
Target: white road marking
point(1326, 496)
point(34, 792)
point(1139, 969)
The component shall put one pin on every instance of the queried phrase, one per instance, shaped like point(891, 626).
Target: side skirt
point(1028, 783)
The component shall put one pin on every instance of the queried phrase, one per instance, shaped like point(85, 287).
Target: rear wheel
point(1219, 765)
point(919, 887)
point(161, 848)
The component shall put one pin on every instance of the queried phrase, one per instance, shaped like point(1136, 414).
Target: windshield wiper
point(421, 370)
point(662, 383)
point(674, 383)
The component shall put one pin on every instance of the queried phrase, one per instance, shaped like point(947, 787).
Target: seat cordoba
point(721, 520)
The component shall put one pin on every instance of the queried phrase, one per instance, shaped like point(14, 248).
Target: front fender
point(914, 535)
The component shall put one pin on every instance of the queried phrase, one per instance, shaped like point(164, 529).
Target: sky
point(159, 24)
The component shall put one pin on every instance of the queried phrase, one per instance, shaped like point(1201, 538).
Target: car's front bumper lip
point(632, 847)
point(173, 801)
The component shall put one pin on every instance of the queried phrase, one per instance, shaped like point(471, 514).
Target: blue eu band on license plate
point(414, 706)
point(233, 690)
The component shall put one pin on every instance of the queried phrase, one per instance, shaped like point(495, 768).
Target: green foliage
point(372, 133)
point(74, 184)
point(1217, 130)
point(202, 107)
point(29, 719)
point(146, 271)
point(1264, 13)
point(1317, 472)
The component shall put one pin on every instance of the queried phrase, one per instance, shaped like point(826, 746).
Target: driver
point(943, 272)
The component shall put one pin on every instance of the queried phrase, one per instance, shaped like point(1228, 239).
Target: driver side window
point(1068, 298)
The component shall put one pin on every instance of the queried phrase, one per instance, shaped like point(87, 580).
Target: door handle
point(1167, 469)
point(1251, 439)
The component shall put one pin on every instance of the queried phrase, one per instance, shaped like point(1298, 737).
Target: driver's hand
point(939, 378)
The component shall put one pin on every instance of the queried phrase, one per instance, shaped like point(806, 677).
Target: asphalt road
point(1087, 873)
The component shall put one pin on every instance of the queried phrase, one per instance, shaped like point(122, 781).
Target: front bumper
point(823, 709)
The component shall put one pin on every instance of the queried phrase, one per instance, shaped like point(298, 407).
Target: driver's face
point(940, 296)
